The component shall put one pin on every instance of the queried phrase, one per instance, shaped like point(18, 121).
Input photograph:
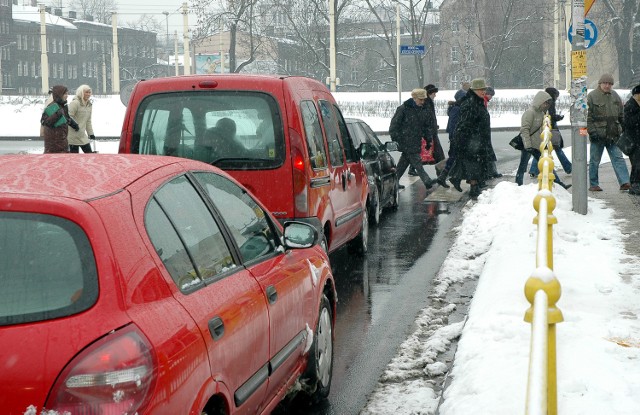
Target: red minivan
point(283, 137)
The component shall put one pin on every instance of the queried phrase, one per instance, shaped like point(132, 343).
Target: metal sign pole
point(579, 109)
point(399, 74)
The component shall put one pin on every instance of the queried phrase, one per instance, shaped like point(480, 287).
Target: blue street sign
point(412, 50)
point(590, 33)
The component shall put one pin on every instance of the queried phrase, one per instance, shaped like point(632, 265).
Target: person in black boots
point(631, 125)
point(408, 127)
point(471, 138)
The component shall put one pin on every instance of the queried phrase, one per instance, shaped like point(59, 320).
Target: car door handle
point(216, 328)
point(272, 294)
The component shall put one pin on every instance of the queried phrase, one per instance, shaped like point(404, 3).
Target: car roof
point(77, 176)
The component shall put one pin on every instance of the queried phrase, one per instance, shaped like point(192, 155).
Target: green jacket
point(604, 117)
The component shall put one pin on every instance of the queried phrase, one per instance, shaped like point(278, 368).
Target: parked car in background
point(380, 165)
point(282, 137)
point(154, 285)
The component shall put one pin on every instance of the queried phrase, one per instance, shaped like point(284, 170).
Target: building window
point(455, 54)
point(354, 74)
point(455, 25)
point(469, 54)
point(454, 82)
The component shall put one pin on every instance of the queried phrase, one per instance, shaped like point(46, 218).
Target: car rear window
point(47, 268)
point(229, 129)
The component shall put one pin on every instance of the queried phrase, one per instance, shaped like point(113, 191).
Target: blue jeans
point(564, 160)
point(522, 167)
point(617, 161)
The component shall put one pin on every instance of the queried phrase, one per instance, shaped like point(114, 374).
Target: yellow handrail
point(542, 290)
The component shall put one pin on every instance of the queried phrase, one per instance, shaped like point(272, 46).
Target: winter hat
point(490, 91)
point(553, 92)
point(606, 78)
point(459, 95)
point(57, 91)
point(419, 93)
point(635, 90)
point(478, 83)
point(431, 89)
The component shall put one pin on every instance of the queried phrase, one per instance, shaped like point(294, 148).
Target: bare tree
point(100, 10)
point(625, 24)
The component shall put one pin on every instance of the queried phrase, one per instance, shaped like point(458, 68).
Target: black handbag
point(516, 143)
point(556, 139)
point(626, 144)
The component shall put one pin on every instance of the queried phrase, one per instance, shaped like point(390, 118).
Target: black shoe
point(428, 184)
point(456, 184)
point(413, 173)
point(497, 175)
point(442, 182)
point(400, 186)
point(474, 192)
point(635, 189)
point(565, 186)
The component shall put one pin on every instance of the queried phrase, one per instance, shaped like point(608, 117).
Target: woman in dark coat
point(631, 125)
point(472, 138)
point(55, 119)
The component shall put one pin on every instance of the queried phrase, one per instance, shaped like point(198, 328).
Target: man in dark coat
point(472, 138)
point(408, 126)
point(631, 126)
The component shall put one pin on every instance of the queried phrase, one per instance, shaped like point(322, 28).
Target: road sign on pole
point(587, 6)
point(412, 49)
point(590, 33)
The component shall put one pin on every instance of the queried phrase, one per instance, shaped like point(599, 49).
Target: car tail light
point(113, 376)
point(300, 197)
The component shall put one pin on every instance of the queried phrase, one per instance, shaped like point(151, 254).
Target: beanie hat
point(431, 89)
point(490, 91)
point(635, 90)
point(608, 78)
point(460, 94)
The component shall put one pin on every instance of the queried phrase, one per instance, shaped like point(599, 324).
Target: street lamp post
point(1, 75)
point(104, 67)
point(167, 45)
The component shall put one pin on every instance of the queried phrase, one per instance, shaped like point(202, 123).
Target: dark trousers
point(413, 160)
point(86, 148)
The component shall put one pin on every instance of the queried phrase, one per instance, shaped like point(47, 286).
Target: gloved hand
point(74, 124)
point(60, 113)
point(560, 117)
point(427, 144)
point(92, 137)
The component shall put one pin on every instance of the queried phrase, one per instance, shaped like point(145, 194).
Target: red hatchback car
point(154, 285)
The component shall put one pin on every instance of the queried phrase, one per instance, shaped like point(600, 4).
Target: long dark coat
point(472, 138)
point(432, 128)
point(631, 124)
point(55, 138)
point(408, 125)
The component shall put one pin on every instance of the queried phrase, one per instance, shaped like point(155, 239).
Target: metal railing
point(542, 290)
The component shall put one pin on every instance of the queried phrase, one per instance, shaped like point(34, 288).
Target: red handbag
point(426, 155)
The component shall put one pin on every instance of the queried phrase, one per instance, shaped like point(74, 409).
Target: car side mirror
point(368, 151)
point(298, 235)
point(391, 146)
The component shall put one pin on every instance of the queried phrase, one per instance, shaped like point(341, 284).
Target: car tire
point(375, 208)
point(320, 361)
point(358, 245)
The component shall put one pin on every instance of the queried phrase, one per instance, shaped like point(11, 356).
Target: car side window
point(185, 235)
point(333, 135)
point(313, 132)
point(348, 145)
point(248, 223)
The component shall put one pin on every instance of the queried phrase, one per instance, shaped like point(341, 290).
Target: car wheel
point(395, 196)
point(320, 364)
point(375, 207)
point(359, 243)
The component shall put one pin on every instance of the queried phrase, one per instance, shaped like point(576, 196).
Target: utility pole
point(175, 54)
point(115, 60)
point(398, 70)
point(44, 60)
point(332, 45)
point(185, 20)
point(168, 49)
point(579, 108)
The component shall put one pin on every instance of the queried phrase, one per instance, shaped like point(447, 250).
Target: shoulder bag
point(516, 143)
point(626, 144)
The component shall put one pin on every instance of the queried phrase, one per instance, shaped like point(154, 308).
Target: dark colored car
point(380, 165)
point(154, 285)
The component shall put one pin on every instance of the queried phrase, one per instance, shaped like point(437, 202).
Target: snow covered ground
point(598, 342)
